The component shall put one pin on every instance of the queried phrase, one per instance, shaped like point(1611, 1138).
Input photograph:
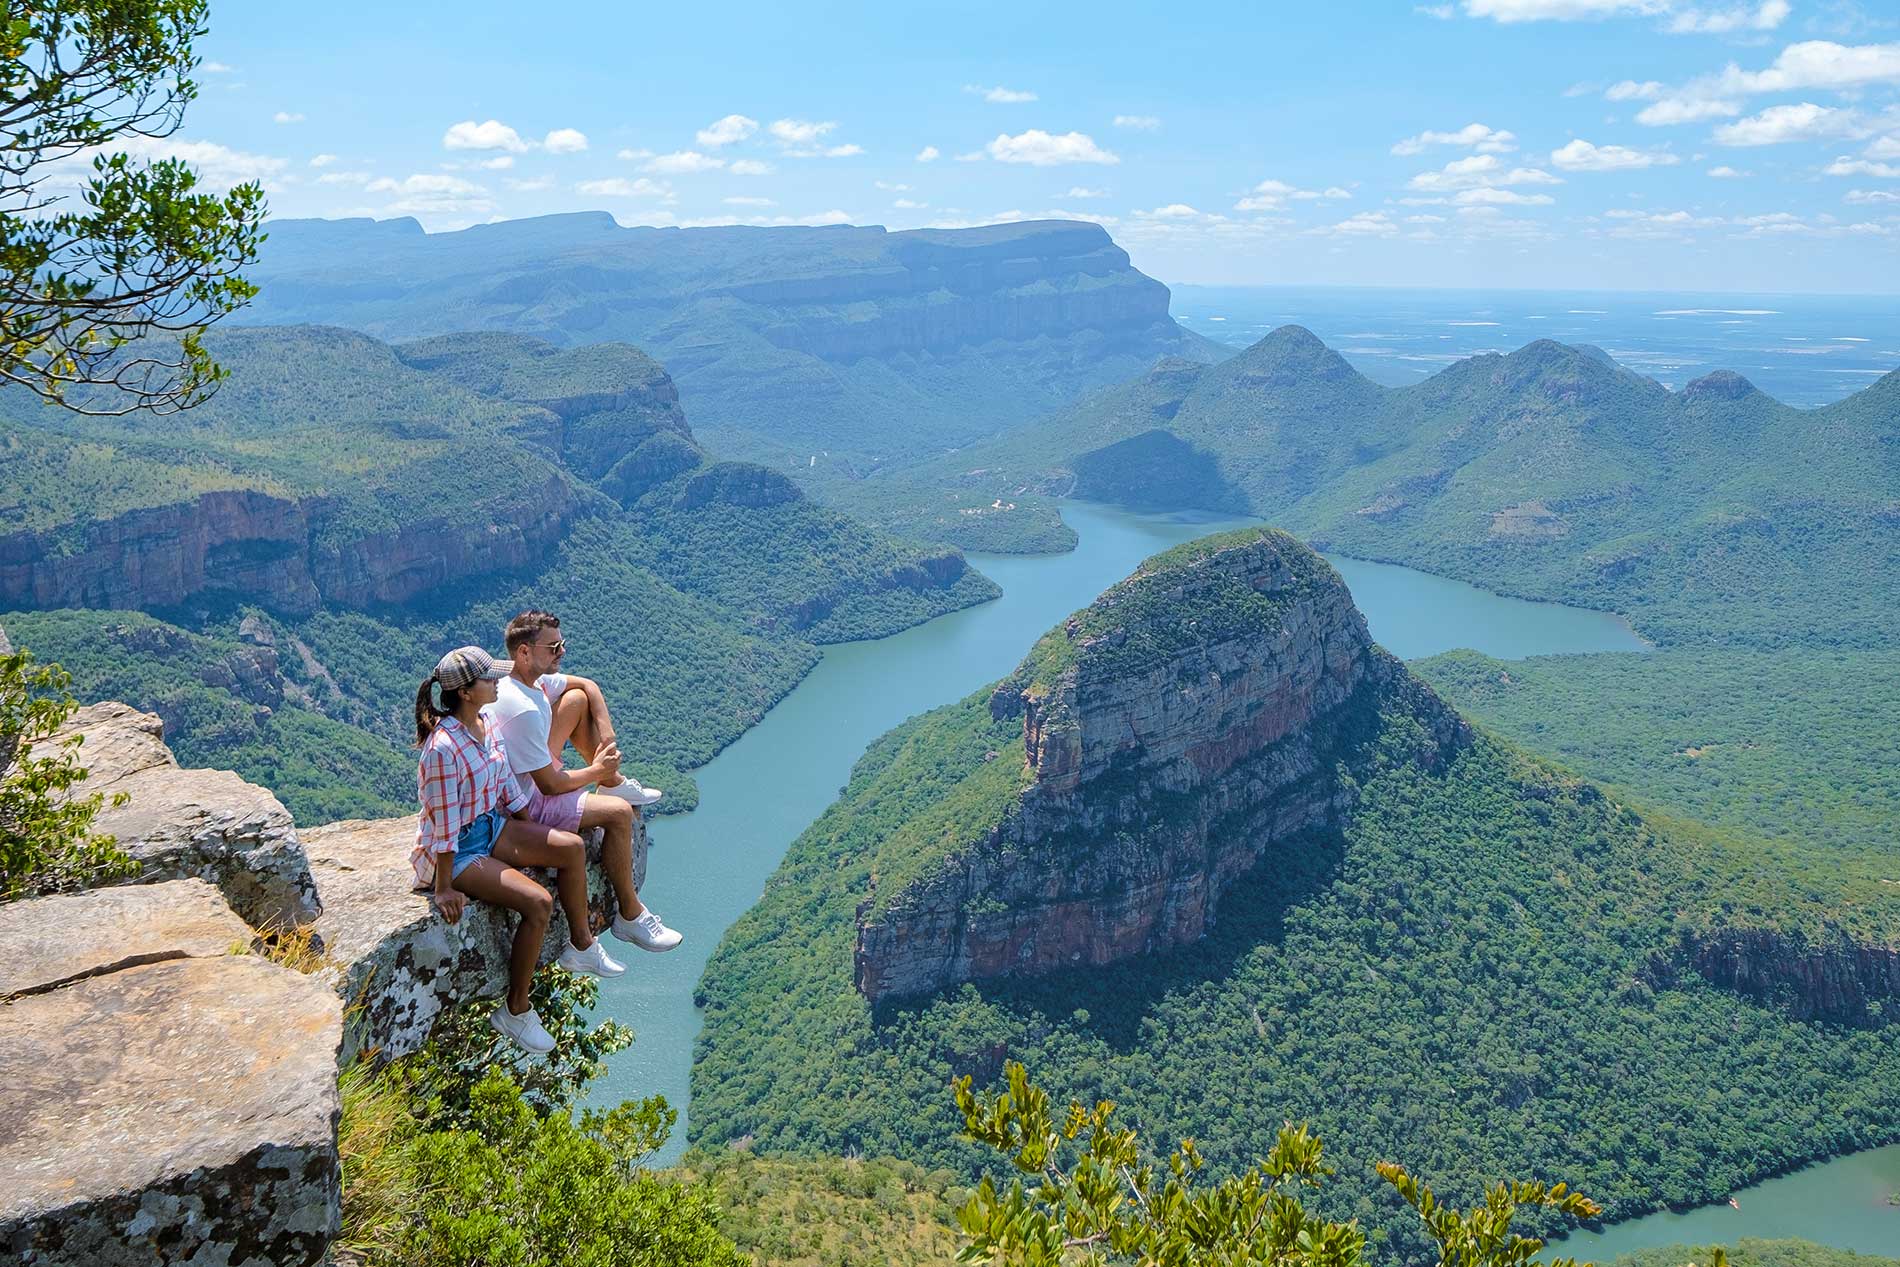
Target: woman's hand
point(450, 902)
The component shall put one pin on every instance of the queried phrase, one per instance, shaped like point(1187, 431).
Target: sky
point(1710, 145)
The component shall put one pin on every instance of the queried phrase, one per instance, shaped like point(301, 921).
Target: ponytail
point(428, 713)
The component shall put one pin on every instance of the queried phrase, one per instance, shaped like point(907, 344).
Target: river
point(708, 867)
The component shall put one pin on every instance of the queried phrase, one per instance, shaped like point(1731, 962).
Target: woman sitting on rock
point(474, 833)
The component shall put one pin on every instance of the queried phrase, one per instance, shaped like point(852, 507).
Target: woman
point(468, 843)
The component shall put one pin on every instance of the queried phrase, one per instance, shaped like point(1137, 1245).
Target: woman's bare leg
point(493, 881)
point(526, 844)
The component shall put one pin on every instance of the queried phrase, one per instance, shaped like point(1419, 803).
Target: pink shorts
point(562, 813)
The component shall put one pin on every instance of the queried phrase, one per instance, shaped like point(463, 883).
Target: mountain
point(846, 345)
point(1713, 513)
point(344, 510)
point(1210, 854)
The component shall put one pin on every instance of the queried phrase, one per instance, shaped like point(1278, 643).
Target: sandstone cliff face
point(1175, 733)
point(1833, 980)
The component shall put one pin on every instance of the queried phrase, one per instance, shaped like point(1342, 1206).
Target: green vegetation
point(695, 592)
point(1797, 746)
point(832, 1211)
point(444, 1164)
point(1097, 1192)
point(1713, 515)
point(46, 838)
point(1471, 976)
point(1753, 1252)
point(140, 255)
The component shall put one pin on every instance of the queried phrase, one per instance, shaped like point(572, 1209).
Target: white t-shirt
point(522, 716)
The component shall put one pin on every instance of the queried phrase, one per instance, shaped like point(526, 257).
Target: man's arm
point(553, 779)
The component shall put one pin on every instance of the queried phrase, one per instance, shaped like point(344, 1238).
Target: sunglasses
point(556, 647)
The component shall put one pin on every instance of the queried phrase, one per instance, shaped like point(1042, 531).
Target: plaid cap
point(470, 664)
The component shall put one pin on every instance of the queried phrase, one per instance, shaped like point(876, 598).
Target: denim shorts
point(477, 840)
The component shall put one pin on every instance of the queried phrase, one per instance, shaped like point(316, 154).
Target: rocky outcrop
point(939, 569)
point(240, 543)
point(1833, 979)
point(161, 1099)
point(208, 824)
point(399, 963)
point(1174, 732)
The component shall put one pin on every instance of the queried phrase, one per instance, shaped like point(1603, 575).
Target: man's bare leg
point(574, 723)
point(615, 819)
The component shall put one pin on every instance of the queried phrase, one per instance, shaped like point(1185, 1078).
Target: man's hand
point(450, 902)
point(606, 760)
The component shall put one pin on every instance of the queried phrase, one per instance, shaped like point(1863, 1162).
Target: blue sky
point(1746, 145)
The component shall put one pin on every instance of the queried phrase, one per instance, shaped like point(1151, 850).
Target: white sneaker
point(633, 793)
point(646, 931)
point(594, 961)
point(526, 1029)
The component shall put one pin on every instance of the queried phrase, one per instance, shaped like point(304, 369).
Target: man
point(538, 711)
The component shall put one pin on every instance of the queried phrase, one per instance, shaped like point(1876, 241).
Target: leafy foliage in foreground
point(449, 1161)
point(46, 838)
point(1463, 979)
point(1086, 1186)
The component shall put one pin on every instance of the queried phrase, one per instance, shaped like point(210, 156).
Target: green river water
point(706, 868)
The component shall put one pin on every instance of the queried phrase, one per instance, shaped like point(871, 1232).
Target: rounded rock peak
point(1720, 385)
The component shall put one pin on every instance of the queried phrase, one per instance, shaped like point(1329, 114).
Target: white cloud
point(1082, 191)
point(565, 141)
point(1041, 149)
point(1443, 12)
point(323, 160)
point(432, 193)
point(358, 179)
point(798, 132)
point(285, 116)
point(730, 130)
point(1765, 16)
point(1487, 196)
point(1473, 136)
point(1630, 90)
point(1560, 10)
point(684, 163)
point(905, 204)
point(217, 68)
point(534, 186)
point(1726, 172)
point(1780, 124)
point(1863, 167)
point(742, 201)
point(1821, 64)
point(1138, 122)
point(1885, 147)
point(1687, 109)
point(844, 151)
point(1173, 211)
point(929, 154)
point(890, 187)
point(1477, 170)
point(492, 134)
point(634, 155)
point(1865, 197)
point(1000, 95)
point(621, 187)
point(1361, 225)
point(1581, 156)
point(750, 167)
point(219, 167)
point(499, 163)
point(1271, 195)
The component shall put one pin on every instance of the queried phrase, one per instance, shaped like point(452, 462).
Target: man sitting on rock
point(538, 711)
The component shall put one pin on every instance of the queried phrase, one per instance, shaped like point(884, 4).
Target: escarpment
point(1192, 720)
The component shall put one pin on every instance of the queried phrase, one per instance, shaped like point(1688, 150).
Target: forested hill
point(841, 346)
point(1181, 862)
point(275, 570)
point(1711, 514)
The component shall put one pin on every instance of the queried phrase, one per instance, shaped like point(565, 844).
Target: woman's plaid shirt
point(459, 779)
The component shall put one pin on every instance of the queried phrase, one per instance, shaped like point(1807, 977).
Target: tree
point(46, 840)
point(1096, 1199)
point(103, 304)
